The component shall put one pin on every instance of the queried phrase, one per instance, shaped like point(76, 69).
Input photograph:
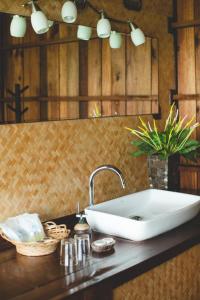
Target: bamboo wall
point(45, 167)
point(189, 80)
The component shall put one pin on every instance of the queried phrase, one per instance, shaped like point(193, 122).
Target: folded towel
point(23, 228)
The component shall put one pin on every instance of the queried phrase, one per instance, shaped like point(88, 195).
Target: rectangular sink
point(143, 215)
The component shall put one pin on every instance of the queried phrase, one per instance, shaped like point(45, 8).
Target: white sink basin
point(143, 215)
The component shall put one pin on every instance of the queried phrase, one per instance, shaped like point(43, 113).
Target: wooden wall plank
point(186, 58)
point(198, 181)
point(83, 77)
point(13, 75)
point(118, 64)
point(130, 89)
point(197, 60)
point(53, 63)
point(31, 74)
point(188, 75)
point(197, 75)
point(154, 75)
point(138, 76)
point(63, 71)
point(73, 79)
point(69, 73)
point(188, 180)
point(106, 77)
point(94, 74)
point(43, 83)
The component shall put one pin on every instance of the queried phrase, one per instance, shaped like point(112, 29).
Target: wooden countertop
point(23, 278)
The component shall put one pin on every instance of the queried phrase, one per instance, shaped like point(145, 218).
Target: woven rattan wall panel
point(177, 279)
point(45, 167)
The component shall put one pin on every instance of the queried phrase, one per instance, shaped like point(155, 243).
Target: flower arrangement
point(174, 139)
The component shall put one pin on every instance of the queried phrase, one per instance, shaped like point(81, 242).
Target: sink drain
point(136, 218)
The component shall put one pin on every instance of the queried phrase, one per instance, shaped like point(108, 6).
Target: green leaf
point(138, 153)
point(145, 147)
point(189, 149)
point(174, 139)
point(183, 134)
point(190, 156)
point(162, 137)
point(137, 143)
point(192, 143)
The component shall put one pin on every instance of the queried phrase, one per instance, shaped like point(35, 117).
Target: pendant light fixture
point(103, 27)
point(38, 20)
point(84, 32)
point(137, 35)
point(41, 24)
point(69, 12)
point(115, 40)
point(18, 26)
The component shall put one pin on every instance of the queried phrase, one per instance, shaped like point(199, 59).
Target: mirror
point(55, 76)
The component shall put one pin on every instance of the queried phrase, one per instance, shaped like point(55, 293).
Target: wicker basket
point(54, 232)
point(57, 232)
point(45, 247)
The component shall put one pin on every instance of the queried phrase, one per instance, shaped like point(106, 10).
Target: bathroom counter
point(23, 278)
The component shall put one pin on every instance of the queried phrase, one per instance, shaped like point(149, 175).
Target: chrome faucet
point(99, 169)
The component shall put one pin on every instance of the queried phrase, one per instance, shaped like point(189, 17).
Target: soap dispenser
point(82, 226)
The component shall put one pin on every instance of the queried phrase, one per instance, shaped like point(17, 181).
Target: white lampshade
point(69, 12)
point(137, 36)
point(103, 27)
point(115, 40)
point(18, 26)
point(39, 21)
point(84, 32)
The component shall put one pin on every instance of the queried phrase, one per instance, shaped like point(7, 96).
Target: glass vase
point(157, 172)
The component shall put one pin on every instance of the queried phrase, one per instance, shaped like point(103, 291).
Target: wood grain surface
point(189, 78)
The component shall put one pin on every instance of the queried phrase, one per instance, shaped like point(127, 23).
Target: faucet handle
point(79, 214)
